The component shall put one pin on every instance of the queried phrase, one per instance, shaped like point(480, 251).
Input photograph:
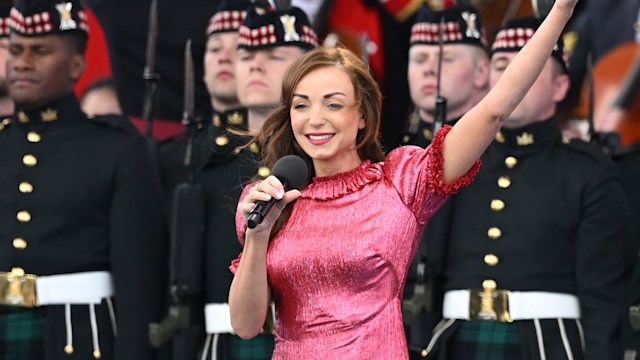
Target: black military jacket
point(628, 163)
point(421, 133)
point(223, 169)
point(546, 214)
point(78, 194)
point(429, 258)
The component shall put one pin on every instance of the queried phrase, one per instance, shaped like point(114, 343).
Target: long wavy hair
point(276, 135)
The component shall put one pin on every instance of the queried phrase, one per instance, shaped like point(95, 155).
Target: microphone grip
point(259, 212)
point(262, 208)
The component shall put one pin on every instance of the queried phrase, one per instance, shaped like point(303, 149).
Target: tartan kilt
point(39, 333)
point(232, 347)
point(258, 348)
point(486, 340)
point(22, 333)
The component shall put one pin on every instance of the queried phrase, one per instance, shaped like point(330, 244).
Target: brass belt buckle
point(489, 304)
point(18, 288)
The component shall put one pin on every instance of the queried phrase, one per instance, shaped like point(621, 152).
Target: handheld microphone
point(291, 170)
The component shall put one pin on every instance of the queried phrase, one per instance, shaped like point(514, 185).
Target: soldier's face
point(41, 69)
point(540, 102)
point(464, 80)
point(259, 75)
point(220, 69)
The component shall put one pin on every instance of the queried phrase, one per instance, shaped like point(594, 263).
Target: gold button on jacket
point(25, 187)
point(23, 216)
point(494, 233)
point(33, 136)
point(29, 160)
point(510, 162)
point(19, 243)
point(491, 260)
point(504, 182)
point(497, 205)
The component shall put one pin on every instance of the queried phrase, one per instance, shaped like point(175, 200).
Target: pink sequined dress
point(338, 266)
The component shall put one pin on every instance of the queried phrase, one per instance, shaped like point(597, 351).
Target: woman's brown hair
point(276, 135)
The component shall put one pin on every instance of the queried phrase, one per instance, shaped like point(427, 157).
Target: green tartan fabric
point(22, 333)
point(486, 340)
point(258, 348)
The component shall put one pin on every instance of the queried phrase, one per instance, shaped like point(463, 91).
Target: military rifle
point(440, 115)
point(186, 267)
point(423, 290)
point(149, 75)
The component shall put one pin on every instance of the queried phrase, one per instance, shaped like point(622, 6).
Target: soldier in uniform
point(463, 81)
point(268, 44)
point(81, 227)
point(220, 72)
point(628, 163)
point(226, 165)
point(220, 79)
point(540, 244)
point(465, 67)
point(214, 143)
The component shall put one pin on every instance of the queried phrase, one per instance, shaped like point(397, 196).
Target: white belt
point(521, 305)
point(217, 318)
point(78, 288)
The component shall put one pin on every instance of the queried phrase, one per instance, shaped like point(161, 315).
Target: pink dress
point(338, 266)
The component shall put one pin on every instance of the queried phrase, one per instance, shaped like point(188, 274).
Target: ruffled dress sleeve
point(416, 173)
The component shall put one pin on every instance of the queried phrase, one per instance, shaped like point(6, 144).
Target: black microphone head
point(291, 170)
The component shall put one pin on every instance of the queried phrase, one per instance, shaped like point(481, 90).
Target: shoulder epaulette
point(4, 123)
point(584, 147)
point(114, 121)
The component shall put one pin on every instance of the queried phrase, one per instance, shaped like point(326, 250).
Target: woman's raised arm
point(474, 132)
